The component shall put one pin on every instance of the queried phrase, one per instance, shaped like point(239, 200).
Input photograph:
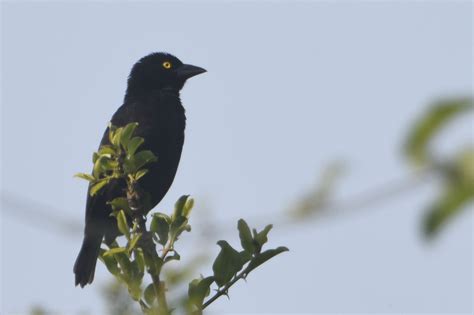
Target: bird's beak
point(185, 71)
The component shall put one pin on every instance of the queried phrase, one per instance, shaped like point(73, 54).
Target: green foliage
point(245, 236)
point(128, 263)
point(457, 174)
point(122, 224)
point(132, 164)
point(265, 256)
point(160, 224)
point(119, 159)
point(261, 238)
point(115, 250)
point(426, 128)
point(228, 263)
point(457, 192)
point(149, 294)
point(132, 244)
point(228, 267)
point(448, 205)
point(38, 310)
point(199, 289)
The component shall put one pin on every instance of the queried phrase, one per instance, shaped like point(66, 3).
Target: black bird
point(152, 99)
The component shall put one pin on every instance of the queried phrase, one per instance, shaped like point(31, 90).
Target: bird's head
point(159, 71)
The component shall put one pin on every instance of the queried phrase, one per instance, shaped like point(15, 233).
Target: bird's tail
point(84, 268)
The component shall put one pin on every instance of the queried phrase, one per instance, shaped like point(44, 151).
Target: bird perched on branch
point(152, 100)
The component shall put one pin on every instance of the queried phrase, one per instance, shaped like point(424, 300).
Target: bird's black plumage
point(152, 99)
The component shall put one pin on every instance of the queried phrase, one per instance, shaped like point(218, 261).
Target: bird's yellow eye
point(167, 65)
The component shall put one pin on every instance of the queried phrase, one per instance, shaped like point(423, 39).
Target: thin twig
point(226, 288)
point(376, 194)
point(38, 214)
point(335, 208)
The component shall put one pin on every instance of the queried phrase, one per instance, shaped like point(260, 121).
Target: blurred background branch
point(457, 174)
point(38, 214)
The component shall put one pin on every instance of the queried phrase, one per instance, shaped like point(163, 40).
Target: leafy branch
point(457, 172)
point(121, 160)
point(229, 263)
point(257, 259)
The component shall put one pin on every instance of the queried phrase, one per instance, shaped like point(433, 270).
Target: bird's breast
point(163, 130)
point(163, 117)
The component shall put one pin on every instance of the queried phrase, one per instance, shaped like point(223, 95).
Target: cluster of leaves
point(129, 263)
point(118, 159)
point(121, 159)
point(457, 173)
point(228, 267)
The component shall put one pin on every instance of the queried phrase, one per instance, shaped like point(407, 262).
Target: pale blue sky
point(290, 87)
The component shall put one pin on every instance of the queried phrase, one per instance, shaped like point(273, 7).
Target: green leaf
point(137, 276)
point(95, 188)
point(464, 166)
point(95, 156)
point(261, 237)
point(140, 174)
point(425, 129)
point(120, 203)
point(122, 224)
point(87, 177)
point(110, 262)
point(108, 165)
point(453, 200)
point(142, 158)
point(179, 225)
point(265, 256)
point(198, 290)
point(115, 250)
point(100, 166)
point(106, 150)
point(179, 207)
point(133, 145)
point(175, 256)
point(149, 294)
point(120, 255)
point(133, 243)
point(179, 221)
point(111, 131)
point(160, 225)
point(135, 291)
point(153, 264)
point(127, 133)
point(245, 236)
point(188, 206)
point(140, 260)
point(116, 137)
point(228, 262)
